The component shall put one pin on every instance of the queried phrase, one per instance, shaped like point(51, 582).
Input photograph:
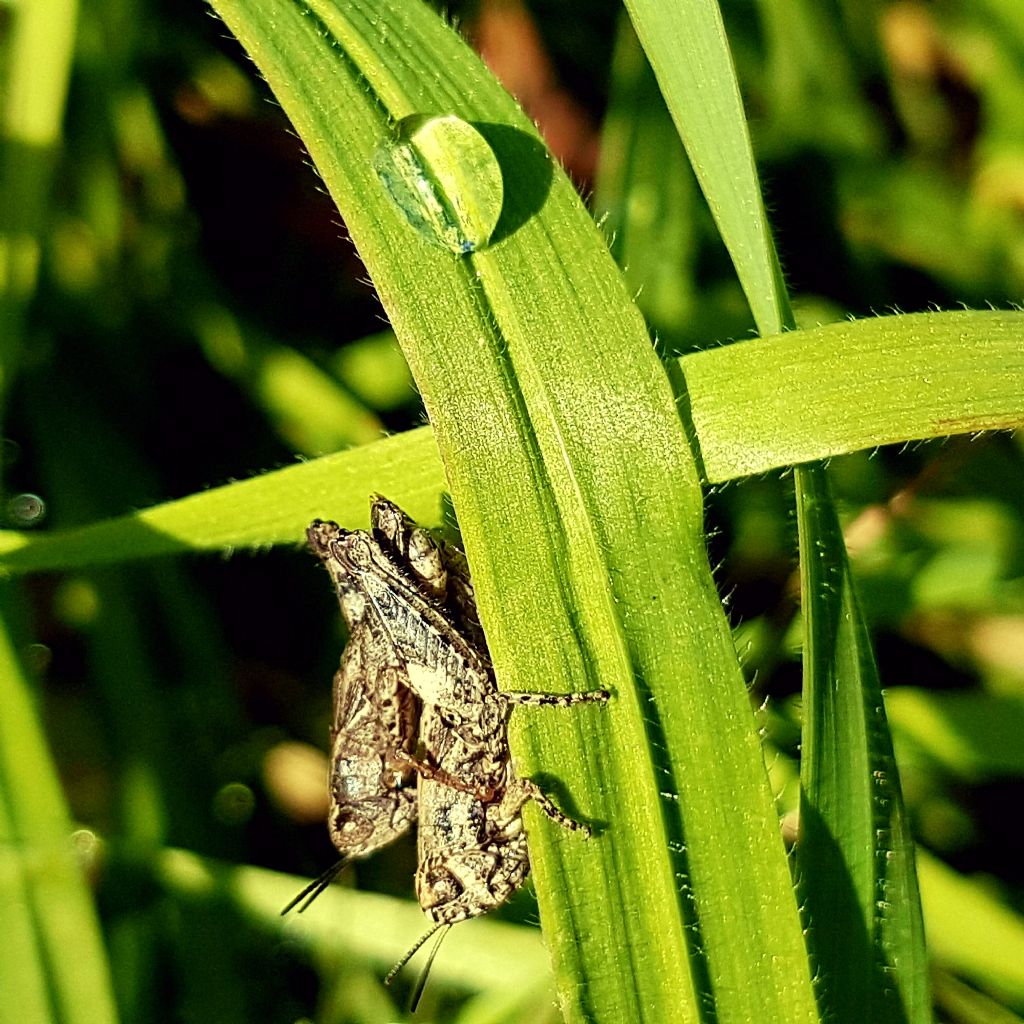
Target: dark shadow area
point(555, 788)
point(526, 175)
point(676, 846)
point(677, 380)
point(849, 970)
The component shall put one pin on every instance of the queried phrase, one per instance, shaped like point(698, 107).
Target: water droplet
point(37, 658)
point(446, 180)
point(87, 846)
point(234, 804)
point(26, 509)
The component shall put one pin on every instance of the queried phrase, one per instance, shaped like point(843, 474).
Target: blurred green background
point(182, 308)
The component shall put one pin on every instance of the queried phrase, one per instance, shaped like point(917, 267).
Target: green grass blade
point(42, 880)
point(814, 91)
point(645, 195)
point(271, 509)
point(311, 412)
point(831, 390)
point(686, 45)
point(365, 926)
point(581, 513)
point(23, 989)
point(38, 41)
point(969, 734)
point(891, 379)
point(972, 931)
point(855, 856)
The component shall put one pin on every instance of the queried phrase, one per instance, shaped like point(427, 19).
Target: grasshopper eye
point(442, 887)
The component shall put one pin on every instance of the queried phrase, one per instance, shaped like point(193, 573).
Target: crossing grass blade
point(890, 379)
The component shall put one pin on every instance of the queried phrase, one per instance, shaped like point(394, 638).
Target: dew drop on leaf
point(445, 179)
point(26, 509)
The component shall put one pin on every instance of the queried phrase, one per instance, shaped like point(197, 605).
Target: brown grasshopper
point(472, 848)
point(446, 662)
point(417, 657)
point(375, 715)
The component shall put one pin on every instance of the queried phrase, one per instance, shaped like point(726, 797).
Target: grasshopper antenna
point(316, 887)
point(421, 983)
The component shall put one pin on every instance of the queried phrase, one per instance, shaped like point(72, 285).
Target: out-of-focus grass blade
point(38, 41)
point(309, 409)
point(814, 94)
point(42, 883)
point(375, 370)
point(23, 988)
point(581, 512)
point(686, 44)
point(366, 926)
point(645, 193)
point(971, 931)
point(958, 1001)
point(54, 963)
point(971, 734)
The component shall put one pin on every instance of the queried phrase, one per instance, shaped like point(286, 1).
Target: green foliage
point(155, 344)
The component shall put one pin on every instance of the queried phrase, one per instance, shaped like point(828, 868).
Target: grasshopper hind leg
point(554, 700)
point(531, 791)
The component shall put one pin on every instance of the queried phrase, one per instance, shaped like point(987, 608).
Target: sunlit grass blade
point(581, 512)
point(891, 379)
point(854, 385)
point(686, 44)
point(271, 509)
point(688, 50)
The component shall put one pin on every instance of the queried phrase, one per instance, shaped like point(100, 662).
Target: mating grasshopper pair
point(419, 725)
